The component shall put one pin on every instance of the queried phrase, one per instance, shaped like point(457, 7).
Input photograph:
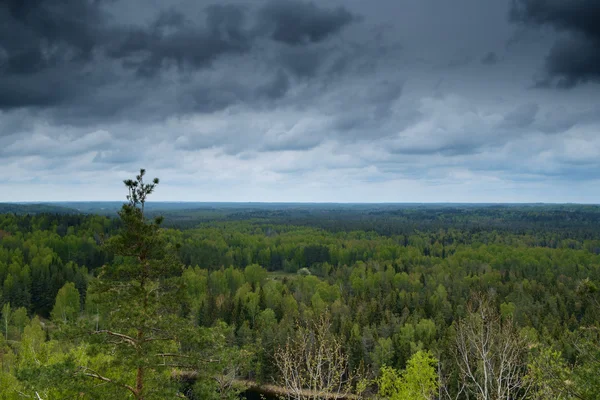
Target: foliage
point(418, 381)
point(548, 375)
point(227, 293)
point(67, 304)
point(140, 292)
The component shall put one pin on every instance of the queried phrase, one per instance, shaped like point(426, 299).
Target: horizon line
point(302, 202)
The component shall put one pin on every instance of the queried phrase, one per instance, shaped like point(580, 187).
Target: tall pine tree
point(140, 294)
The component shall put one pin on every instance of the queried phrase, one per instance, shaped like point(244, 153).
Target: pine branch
point(125, 338)
point(93, 374)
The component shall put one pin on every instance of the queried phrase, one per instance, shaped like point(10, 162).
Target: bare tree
point(490, 353)
point(313, 365)
point(444, 380)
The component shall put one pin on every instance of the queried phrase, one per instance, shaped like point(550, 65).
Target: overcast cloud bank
point(287, 100)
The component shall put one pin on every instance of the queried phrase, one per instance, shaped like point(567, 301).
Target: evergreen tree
point(140, 294)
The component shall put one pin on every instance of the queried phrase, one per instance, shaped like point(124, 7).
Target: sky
point(299, 101)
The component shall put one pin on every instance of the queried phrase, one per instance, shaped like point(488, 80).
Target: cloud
point(490, 58)
point(41, 43)
point(41, 144)
point(574, 58)
point(173, 40)
point(296, 100)
point(276, 88)
point(561, 119)
point(521, 117)
point(75, 59)
point(365, 109)
point(449, 125)
point(117, 156)
point(298, 22)
point(303, 62)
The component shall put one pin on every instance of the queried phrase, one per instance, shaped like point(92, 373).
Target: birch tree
point(490, 354)
point(313, 364)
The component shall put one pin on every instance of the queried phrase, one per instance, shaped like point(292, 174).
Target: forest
point(490, 302)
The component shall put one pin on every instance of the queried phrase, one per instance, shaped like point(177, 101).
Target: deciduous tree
point(490, 353)
point(419, 381)
point(313, 364)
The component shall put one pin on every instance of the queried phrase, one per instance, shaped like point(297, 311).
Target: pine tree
point(141, 295)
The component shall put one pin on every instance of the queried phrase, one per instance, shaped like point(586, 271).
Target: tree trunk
point(139, 379)
point(139, 384)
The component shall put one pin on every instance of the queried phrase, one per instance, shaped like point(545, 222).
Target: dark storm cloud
point(31, 28)
point(363, 112)
point(72, 57)
point(210, 97)
point(43, 89)
point(303, 62)
point(298, 22)
point(43, 45)
point(276, 88)
point(572, 15)
point(575, 58)
point(490, 58)
point(173, 40)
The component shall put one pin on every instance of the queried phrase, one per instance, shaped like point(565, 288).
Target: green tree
point(419, 381)
point(142, 292)
point(6, 316)
point(255, 275)
point(549, 377)
point(67, 304)
point(32, 349)
point(19, 321)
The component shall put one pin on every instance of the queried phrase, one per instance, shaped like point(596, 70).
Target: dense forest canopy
point(405, 291)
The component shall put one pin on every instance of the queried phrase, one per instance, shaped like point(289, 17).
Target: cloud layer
point(292, 100)
point(575, 56)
